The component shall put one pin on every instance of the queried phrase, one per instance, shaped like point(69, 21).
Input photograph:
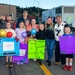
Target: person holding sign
point(8, 29)
point(40, 35)
point(69, 57)
point(20, 32)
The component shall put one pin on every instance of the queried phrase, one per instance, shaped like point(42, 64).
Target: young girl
point(40, 35)
point(19, 32)
point(28, 28)
point(69, 57)
point(28, 25)
point(33, 24)
point(8, 29)
point(9, 19)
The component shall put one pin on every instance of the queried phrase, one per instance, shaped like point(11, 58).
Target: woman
point(50, 39)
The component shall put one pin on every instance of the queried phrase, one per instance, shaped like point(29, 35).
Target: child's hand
point(17, 39)
point(35, 39)
point(59, 35)
point(25, 42)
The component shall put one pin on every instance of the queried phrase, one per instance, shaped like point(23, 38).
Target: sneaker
point(21, 63)
point(6, 64)
point(18, 63)
point(40, 62)
point(11, 64)
point(65, 67)
point(47, 60)
point(49, 63)
point(57, 63)
point(35, 59)
point(70, 68)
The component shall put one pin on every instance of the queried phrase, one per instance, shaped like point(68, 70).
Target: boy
point(69, 57)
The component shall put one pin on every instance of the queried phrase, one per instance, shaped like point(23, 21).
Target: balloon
point(24, 34)
point(69, 20)
point(33, 31)
point(9, 34)
point(3, 33)
point(28, 33)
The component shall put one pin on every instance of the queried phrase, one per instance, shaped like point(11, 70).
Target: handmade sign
point(9, 47)
point(23, 57)
point(36, 49)
point(67, 44)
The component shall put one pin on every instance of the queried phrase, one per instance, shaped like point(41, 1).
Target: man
point(24, 18)
point(59, 31)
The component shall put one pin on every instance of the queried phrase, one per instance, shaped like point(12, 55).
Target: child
point(9, 19)
point(28, 25)
point(33, 24)
point(28, 29)
point(19, 32)
point(69, 57)
point(8, 29)
point(41, 36)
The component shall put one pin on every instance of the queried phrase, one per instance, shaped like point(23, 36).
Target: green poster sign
point(36, 49)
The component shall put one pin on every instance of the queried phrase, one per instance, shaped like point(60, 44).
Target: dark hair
point(67, 26)
point(33, 18)
point(27, 20)
point(21, 22)
point(25, 11)
point(42, 24)
point(8, 22)
point(58, 16)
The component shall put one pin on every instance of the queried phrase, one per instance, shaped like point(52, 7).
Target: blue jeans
point(50, 47)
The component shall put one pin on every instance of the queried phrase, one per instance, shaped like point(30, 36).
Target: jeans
point(50, 47)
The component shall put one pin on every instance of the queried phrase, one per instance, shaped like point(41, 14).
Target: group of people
point(53, 31)
point(49, 32)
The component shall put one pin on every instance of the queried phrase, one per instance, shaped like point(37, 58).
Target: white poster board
point(8, 46)
point(22, 52)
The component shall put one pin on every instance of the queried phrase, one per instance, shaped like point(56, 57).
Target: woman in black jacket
point(50, 40)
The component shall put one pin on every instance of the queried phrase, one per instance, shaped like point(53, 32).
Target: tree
point(33, 11)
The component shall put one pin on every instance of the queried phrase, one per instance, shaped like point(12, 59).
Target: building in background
point(6, 10)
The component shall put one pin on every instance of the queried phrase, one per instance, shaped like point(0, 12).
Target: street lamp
point(38, 7)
